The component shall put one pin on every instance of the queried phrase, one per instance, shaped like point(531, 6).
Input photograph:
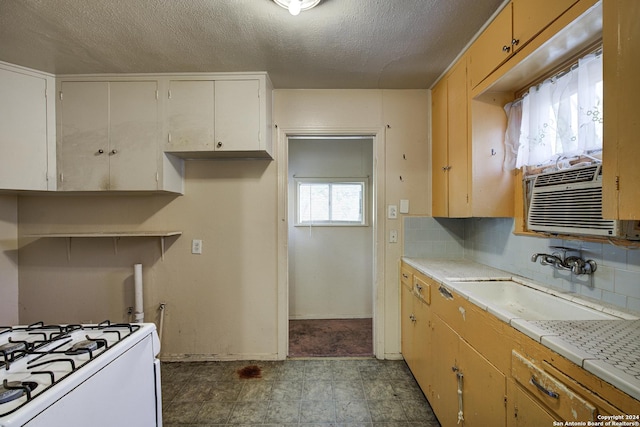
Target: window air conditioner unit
point(570, 202)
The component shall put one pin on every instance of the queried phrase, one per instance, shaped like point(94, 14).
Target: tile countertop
point(609, 349)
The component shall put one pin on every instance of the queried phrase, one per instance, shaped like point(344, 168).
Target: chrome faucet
point(575, 264)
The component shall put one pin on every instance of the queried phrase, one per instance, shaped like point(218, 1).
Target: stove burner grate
point(12, 347)
point(12, 390)
point(86, 346)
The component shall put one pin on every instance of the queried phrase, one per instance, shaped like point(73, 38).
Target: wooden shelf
point(115, 235)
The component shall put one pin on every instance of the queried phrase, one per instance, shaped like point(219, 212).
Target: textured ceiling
point(393, 44)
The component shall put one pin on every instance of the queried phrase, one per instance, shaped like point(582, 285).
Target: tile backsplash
point(490, 241)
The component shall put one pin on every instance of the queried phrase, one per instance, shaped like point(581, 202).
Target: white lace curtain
point(560, 117)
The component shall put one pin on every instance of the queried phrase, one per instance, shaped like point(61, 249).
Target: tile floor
point(313, 393)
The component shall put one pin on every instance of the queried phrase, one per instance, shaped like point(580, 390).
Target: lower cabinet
point(466, 387)
point(475, 371)
point(523, 411)
point(416, 339)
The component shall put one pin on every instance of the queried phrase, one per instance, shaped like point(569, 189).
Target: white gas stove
point(78, 375)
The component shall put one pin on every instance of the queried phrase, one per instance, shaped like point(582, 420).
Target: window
point(559, 118)
point(330, 202)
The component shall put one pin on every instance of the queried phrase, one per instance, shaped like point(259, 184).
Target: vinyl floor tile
point(293, 393)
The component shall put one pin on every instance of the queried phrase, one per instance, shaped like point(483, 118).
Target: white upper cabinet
point(218, 116)
point(190, 115)
point(108, 136)
point(237, 115)
point(26, 139)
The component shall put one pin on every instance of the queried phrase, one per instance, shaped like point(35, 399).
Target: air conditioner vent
point(584, 174)
point(569, 202)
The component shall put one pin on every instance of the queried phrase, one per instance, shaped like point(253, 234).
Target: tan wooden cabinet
point(621, 175)
point(23, 130)
point(496, 363)
point(467, 174)
point(524, 411)
point(465, 384)
point(450, 147)
point(439, 151)
point(108, 136)
point(518, 23)
point(209, 117)
point(492, 47)
point(415, 323)
point(530, 17)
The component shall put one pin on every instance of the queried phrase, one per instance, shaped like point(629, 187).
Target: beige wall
point(8, 260)
point(220, 304)
point(223, 304)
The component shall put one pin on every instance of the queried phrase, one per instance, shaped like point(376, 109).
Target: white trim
point(376, 220)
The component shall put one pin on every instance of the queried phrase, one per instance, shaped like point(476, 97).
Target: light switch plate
point(404, 206)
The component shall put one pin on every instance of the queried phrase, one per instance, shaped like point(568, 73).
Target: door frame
point(377, 217)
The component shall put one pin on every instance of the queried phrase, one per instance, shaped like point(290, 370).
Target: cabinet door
point(439, 146)
point(532, 16)
point(83, 140)
point(23, 131)
point(457, 104)
point(133, 135)
point(621, 39)
point(407, 327)
point(190, 115)
point(523, 411)
point(237, 115)
point(423, 345)
point(443, 395)
point(492, 48)
point(483, 389)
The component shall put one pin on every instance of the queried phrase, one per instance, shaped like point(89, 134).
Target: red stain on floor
point(251, 371)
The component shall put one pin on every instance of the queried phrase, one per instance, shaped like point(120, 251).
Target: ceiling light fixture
point(296, 6)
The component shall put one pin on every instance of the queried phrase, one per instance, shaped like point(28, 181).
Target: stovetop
point(37, 357)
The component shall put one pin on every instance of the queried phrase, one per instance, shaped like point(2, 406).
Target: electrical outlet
point(392, 212)
point(196, 246)
point(393, 236)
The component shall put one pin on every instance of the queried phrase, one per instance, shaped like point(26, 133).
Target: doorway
point(330, 193)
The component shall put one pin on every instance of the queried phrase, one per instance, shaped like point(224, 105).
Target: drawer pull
point(445, 292)
point(405, 275)
point(419, 288)
point(544, 390)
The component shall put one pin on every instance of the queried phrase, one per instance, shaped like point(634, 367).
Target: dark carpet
point(331, 338)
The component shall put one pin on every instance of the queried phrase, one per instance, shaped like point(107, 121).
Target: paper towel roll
point(138, 299)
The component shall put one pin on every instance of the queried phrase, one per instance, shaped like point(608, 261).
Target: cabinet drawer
point(406, 277)
point(422, 288)
point(550, 392)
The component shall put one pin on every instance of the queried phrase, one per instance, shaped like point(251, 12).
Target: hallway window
point(330, 202)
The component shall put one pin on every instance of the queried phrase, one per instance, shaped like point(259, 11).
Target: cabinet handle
point(544, 390)
point(219, 144)
point(405, 275)
point(515, 42)
point(419, 288)
point(446, 168)
point(101, 151)
point(412, 317)
point(445, 292)
point(506, 48)
point(114, 151)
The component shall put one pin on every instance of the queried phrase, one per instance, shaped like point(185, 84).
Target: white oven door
point(123, 393)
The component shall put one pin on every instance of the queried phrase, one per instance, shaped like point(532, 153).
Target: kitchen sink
point(508, 299)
